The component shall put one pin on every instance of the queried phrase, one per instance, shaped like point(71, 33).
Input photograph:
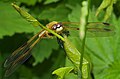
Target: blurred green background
point(47, 55)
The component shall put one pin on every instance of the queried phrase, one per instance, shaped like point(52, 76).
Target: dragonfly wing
point(19, 51)
point(16, 63)
point(94, 29)
point(16, 54)
point(100, 29)
point(21, 54)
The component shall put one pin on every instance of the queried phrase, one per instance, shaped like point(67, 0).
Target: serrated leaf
point(55, 14)
point(75, 14)
point(71, 4)
point(71, 76)
point(44, 49)
point(105, 51)
point(11, 22)
point(50, 1)
point(61, 72)
point(110, 72)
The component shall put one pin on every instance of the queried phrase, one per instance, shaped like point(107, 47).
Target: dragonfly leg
point(48, 35)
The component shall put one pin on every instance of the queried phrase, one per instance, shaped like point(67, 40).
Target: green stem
point(83, 21)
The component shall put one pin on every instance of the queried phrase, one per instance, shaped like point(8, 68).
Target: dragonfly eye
point(58, 27)
point(54, 27)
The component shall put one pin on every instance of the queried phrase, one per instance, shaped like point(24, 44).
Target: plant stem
point(83, 23)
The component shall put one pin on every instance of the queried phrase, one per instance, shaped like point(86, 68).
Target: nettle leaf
point(11, 22)
point(109, 55)
point(103, 51)
point(50, 1)
point(75, 14)
point(44, 49)
point(71, 4)
point(55, 14)
point(61, 72)
point(27, 75)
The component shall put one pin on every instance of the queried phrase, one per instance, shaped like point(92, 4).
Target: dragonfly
point(20, 55)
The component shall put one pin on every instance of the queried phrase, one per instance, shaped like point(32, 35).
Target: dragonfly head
point(55, 26)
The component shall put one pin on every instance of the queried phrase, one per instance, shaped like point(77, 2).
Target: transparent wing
point(100, 29)
point(94, 29)
point(20, 55)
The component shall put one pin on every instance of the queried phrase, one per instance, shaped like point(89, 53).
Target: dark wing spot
point(107, 29)
point(106, 23)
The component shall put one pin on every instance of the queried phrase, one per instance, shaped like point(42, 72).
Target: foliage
point(108, 4)
point(102, 52)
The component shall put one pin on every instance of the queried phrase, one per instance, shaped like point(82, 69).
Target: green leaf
point(103, 51)
point(11, 22)
point(75, 14)
point(71, 4)
point(110, 72)
point(26, 15)
point(55, 14)
point(61, 72)
point(23, 70)
point(45, 69)
point(74, 55)
point(71, 76)
point(108, 4)
point(29, 2)
point(44, 49)
point(50, 1)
